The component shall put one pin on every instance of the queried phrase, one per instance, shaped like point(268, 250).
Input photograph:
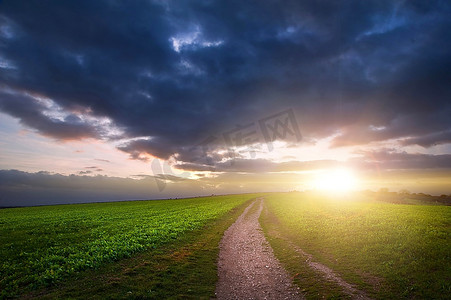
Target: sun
point(336, 180)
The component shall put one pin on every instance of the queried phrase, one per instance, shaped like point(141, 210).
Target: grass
point(168, 249)
point(182, 269)
point(389, 250)
point(312, 286)
point(44, 246)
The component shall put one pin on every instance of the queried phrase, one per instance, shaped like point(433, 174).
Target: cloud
point(437, 138)
point(90, 170)
point(385, 159)
point(389, 159)
point(18, 188)
point(259, 165)
point(102, 160)
point(23, 188)
point(176, 73)
point(31, 113)
point(159, 147)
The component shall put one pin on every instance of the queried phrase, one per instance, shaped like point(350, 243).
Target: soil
point(247, 267)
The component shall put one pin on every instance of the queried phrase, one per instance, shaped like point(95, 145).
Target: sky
point(116, 100)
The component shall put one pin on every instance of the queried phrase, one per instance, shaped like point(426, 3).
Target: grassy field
point(167, 249)
point(388, 250)
point(44, 246)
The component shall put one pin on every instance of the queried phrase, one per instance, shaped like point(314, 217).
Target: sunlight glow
point(337, 180)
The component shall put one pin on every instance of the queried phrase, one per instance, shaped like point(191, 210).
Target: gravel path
point(247, 267)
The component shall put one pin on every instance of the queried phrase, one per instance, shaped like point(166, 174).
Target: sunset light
point(337, 180)
point(161, 149)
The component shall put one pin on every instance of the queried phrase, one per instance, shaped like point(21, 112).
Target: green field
point(389, 250)
point(168, 248)
point(40, 246)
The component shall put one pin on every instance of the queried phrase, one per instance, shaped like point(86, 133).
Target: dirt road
point(247, 267)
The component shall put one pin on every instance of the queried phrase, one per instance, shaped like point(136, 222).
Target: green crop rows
point(42, 245)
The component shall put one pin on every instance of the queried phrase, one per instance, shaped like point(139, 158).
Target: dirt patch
point(181, 254)
point(247, 267)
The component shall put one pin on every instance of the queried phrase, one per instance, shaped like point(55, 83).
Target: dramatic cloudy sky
point(110, 100)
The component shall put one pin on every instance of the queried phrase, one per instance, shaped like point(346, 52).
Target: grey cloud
point(31, 114)
point(259, 166)
point(340, 66)
point(390, 159)
point(437, 138)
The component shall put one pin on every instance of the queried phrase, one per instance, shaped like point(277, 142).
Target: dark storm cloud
point(429, 140)
point(386, 159)
point(159, 147)
point(31, 114)
point(389, 159)
point(180, 71)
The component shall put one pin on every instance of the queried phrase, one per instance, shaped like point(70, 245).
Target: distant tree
point(383, 190)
